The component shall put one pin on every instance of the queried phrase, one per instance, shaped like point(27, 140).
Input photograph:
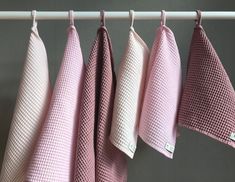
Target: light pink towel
point(96, 158)
point(158, 118)
point(30, 111)
point(53, 158)
point(208, 100)
point(129, 94)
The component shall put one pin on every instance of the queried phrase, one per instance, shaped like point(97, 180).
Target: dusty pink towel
point(208, 100)
point(53, 158)
point(163, 87)
point(96, 158)
point(30, 111)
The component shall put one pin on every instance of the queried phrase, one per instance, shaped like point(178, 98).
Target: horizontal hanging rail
point(139, 15)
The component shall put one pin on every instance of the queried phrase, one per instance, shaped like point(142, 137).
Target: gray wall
point(197, 158)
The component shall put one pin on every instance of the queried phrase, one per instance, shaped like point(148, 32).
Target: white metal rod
point(139, 15)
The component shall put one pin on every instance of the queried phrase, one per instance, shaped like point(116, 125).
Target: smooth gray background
point(197, 157)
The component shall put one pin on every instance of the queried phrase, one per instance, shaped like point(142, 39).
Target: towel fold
point(208, 100)
point(54, 155)
point(129, 93)
point(30, 110)
point(96, 158)
point(162, 92)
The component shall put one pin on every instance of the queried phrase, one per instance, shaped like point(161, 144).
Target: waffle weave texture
point(52, 160)
point(129, 94)
point(30, 110)
point(97, 160)
point(162, 92)
point(208, 100)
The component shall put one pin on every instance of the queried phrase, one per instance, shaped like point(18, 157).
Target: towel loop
point(199, 18)
point(102, 18)
point(71, 17)
point(34, 14)
point(132, 17)
point(163, 17)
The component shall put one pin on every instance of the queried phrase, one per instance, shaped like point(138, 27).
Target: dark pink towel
point(208, 100)
point(96, 158)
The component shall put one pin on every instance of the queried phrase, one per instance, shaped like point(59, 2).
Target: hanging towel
point(96, 158)
point(30, 110)
point(208, 100)
point(53, 158)
point(129, 93)
point(163, 87)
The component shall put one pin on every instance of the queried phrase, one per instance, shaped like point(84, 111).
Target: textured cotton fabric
point(162, 92)
point(30, 110)
point(97, 160)
point(208, 100)
point(52, 160)
point(129, 94)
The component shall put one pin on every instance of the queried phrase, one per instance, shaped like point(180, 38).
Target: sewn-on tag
point(232, 136)
point(132, 147)
point(170, 148)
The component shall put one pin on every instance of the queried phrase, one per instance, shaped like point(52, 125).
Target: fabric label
point(232, 136)
point(170, 148)
point(132, 147)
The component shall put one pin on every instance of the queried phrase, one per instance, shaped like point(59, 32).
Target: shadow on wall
point(6, 110)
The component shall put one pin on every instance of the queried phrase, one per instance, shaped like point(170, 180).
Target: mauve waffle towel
point(208, 100)
point(162, 92)
point(53, 158)
point(96, 158)
point(129, 94)
point(30, 110)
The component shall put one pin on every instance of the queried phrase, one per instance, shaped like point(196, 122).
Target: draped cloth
point(53, 157)
point(30, 111)
point(129, 94)
point(158, 123)
point(208, 100)
point(96, 158)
